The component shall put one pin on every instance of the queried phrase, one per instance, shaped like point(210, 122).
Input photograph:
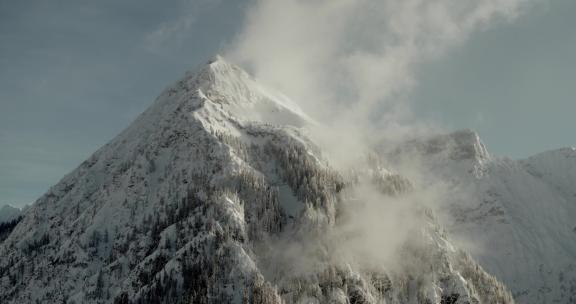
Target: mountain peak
point(460, 145)
point(217, 68)
point(218, 91)
point(220, 64)
point(218, 60)
point(9, 213)
point(468, 145)
point(237, 92)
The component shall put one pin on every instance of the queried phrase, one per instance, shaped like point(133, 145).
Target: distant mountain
point(9, 213)
point(216, 194)
point(517, 218)
point(9, 218)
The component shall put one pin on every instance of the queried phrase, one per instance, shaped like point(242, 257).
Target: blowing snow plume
point(350, 63)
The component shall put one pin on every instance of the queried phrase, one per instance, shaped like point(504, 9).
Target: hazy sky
point(75, 73)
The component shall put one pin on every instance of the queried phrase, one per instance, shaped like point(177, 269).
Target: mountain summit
point(216, 195)
point(516, 217)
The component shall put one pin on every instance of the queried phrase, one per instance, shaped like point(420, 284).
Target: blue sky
point(515, 84)
point(73, 74)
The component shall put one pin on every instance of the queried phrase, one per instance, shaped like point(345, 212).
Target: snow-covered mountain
point(517, 218)
point(216, 194)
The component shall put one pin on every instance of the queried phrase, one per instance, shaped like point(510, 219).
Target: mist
point(355, 61)
point(351, 65)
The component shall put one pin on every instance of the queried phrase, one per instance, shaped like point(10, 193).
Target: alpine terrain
point(218, 194)
point(516, 217)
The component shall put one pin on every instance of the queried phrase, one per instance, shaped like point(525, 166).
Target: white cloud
point(356, 59)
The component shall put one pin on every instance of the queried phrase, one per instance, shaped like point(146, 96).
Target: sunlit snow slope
point(518, 218)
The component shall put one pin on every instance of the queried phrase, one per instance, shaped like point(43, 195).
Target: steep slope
point(215, 194)
point(557, 168)
point(517, 217)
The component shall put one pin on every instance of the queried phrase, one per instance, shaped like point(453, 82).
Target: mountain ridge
point(518, 212)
